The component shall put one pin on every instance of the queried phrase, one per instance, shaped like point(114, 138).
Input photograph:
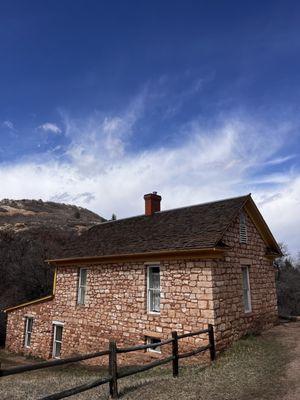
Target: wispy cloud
point(50, 127)
point(101, 140)
point(8, 124)
point(100, 171)
point(280, 160)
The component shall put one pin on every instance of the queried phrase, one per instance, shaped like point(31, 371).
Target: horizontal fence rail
point(190, 334)
point(77, 389)
point(51, 363)
point(143, 346)
point(113, 374)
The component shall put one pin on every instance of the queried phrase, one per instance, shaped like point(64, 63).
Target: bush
point(288, 288)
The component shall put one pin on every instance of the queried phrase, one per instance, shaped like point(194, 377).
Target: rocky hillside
point(22, 215)
point(30, 232)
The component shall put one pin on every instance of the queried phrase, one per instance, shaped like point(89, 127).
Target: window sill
point(153, 313)
point(153, 354)
point(248, 314)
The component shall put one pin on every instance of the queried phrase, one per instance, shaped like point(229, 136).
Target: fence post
point(212, 348)
point(175, 354)
point(113, 371)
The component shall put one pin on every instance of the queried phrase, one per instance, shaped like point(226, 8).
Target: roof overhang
point(213, 252)
point(28, 303)
point(263, 229)
point(36, 301)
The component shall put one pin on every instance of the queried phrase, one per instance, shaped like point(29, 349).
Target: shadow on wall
point(2, 328)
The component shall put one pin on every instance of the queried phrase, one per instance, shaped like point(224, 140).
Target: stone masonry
point(194, 292)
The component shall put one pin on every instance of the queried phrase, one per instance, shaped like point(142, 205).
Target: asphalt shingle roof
point(193, 227)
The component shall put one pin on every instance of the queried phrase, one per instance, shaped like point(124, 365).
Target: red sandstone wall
point(116, 307)
point(231, 322)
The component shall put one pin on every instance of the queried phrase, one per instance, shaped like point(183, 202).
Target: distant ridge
point(14, 213)
point(30, 232)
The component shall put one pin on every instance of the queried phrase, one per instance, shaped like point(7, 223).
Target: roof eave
point(36, 301)
point(28, 303)
point(262, 227)
point(209, 252)
point(260, 224)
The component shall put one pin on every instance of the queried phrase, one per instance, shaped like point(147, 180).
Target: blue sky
point(101, 102)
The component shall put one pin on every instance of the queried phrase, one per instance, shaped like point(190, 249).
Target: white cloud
point(100, 173)
point(50, 127)
point(101, 140)
point(8, 124)
point(282, 211)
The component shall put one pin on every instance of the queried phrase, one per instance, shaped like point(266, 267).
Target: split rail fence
point(113, 374)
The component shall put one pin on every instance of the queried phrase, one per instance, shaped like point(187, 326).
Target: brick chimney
point(152, 203)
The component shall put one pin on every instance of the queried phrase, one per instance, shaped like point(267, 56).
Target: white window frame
point(149, 290)
point(157, 349)
point(243, 228)
point(28, 333)
point(55, 341)
point(246, 290)
point(82, 289)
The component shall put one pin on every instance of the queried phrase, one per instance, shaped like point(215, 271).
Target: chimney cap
point(152, 195)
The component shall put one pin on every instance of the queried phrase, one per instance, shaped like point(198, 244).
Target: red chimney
point(152, 203)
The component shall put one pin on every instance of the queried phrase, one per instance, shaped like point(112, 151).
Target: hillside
point(21, 215)
point(30, 232)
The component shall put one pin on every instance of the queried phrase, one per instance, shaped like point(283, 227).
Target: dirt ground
point(289, 335)
point(265, 367)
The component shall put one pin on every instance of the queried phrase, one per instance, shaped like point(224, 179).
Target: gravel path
point(289, 335)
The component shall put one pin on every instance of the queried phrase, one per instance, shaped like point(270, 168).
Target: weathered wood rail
point(113, 374)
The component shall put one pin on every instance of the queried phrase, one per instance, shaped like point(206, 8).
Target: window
point(82, 286)
point(57, 339)
point(156, 349)
point(243, 228)
point(246, 289)
point(28, 330)
point(153, 289)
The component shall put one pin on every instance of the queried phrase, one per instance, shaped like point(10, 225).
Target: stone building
point(137, 279)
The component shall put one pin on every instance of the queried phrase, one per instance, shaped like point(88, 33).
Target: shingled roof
point(194, 227)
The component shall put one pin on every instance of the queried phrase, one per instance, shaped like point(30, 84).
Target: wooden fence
point(113, 374)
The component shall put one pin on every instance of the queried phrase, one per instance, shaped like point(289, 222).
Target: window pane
point(58, 332)
point(154, 278)
point(152, 341)
point(28, 339)
point(28, 330)
point(30, 323)
point(81, 295)
point(246, 300)
point(154, 299)
point(154, 289)
point(82, 286)
point(246, 289)
point(245, 278)
point(57, 349)
point(83, 274)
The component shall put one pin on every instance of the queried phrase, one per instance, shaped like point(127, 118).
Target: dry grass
point(251, 369)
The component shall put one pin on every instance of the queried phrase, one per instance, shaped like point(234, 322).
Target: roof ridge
point(203, 204)
point(170, 209)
